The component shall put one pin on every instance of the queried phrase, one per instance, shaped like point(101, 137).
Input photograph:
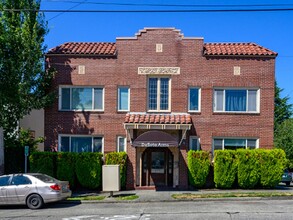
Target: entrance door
point(157, 169)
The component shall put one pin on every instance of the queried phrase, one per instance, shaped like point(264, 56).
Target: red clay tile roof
point(236, 49)
point(102, 49)
point(144, 118)
point(210, 49)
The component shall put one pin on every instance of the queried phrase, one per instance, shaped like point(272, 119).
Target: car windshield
point(45, 178)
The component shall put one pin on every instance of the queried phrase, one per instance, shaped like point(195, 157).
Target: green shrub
point(66, 167)
point(118, 158)
point(248, 168)
point(88, 169)
point(225, 168)
point(272, 165)
point(43, 162)
point(198, 167)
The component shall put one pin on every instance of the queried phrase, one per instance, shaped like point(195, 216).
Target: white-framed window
point(81, 143)
point(234, 143)
point(121, 144)
point(194, 143)
point(194, 99)
point(123, 98)
point(79, 98)
point(159, 94)
point(236, 100)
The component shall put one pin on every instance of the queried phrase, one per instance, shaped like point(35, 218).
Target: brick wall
point(195, 70)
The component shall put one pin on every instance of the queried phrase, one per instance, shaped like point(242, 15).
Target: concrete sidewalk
point(166, 195)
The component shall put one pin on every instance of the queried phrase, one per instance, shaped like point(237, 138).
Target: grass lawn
point(191, 196)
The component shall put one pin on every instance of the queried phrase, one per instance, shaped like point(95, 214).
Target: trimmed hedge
point(252, 168)
point(272, 165)
point(225, 168)
point(248, 168)
point(88, 168)
point(198, 167)
point(118, 158)
point(43, 162)
point(66, 167)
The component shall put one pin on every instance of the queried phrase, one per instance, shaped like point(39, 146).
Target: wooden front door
point(157, 169)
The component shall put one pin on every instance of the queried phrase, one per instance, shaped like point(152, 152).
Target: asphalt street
point(250, 208)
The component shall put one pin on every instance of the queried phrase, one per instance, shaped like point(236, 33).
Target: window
point(159, 94)
point(123, 99)
point(81, 98)
point(236, 100)
point(121, 144)
point(4, 180)
point(20, 180)
point(80, 144)
point(194, 143)
point(234, 143)
point(193, 99)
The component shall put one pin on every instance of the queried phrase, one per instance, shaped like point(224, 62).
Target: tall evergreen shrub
point(118, 158)
point(43, 162)
point(88, 169)
point(225, 168)
point(248, 168)
point(272, 165)
point(66, 167)
point(198, 167)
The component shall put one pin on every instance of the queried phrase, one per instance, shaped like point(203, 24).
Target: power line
point(173, 5)
point(150, 11)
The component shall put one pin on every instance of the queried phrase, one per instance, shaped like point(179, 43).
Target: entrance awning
point(155, 139)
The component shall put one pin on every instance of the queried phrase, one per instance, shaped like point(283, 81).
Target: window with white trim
point(236, 100)
point(159, 93)
point(123, 98)
point(121, 144)
point(193, 99)
point(234, 143)
point(194, 143)
point(81, 98)
point(79, 144)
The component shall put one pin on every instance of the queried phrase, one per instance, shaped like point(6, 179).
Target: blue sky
point(273, 30)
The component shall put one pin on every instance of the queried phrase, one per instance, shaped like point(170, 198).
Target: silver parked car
point(32, 189)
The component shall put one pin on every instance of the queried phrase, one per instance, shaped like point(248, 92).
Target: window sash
point(121, 144)
point(235, 100)
point(123, 99)
point(194, 143)
point(75, 143)
point(234, 143)
point(159, 94)
point(193, 99)
point(81, 98)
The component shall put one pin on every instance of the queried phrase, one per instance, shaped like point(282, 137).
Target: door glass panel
point(158, 162)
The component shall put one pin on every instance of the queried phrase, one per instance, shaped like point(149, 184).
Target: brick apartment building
point(158, 94)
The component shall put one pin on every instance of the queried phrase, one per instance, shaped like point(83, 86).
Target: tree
point(24, 83)
point(283, 110)
point(284, 139)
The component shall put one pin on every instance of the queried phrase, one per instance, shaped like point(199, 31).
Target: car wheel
point(287, 183)
point(34, 201)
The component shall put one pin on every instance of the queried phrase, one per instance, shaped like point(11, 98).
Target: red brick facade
point(206, 71)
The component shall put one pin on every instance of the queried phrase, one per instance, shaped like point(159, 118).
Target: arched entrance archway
point(157, 167)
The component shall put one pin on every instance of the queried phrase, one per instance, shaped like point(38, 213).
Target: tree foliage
point(284, 139)
point(23, 81)
point(283, 110)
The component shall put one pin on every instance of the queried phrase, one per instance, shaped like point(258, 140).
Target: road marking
point(114, 217)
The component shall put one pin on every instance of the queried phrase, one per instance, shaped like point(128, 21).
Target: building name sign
point(155, 144)
point(159, 70)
